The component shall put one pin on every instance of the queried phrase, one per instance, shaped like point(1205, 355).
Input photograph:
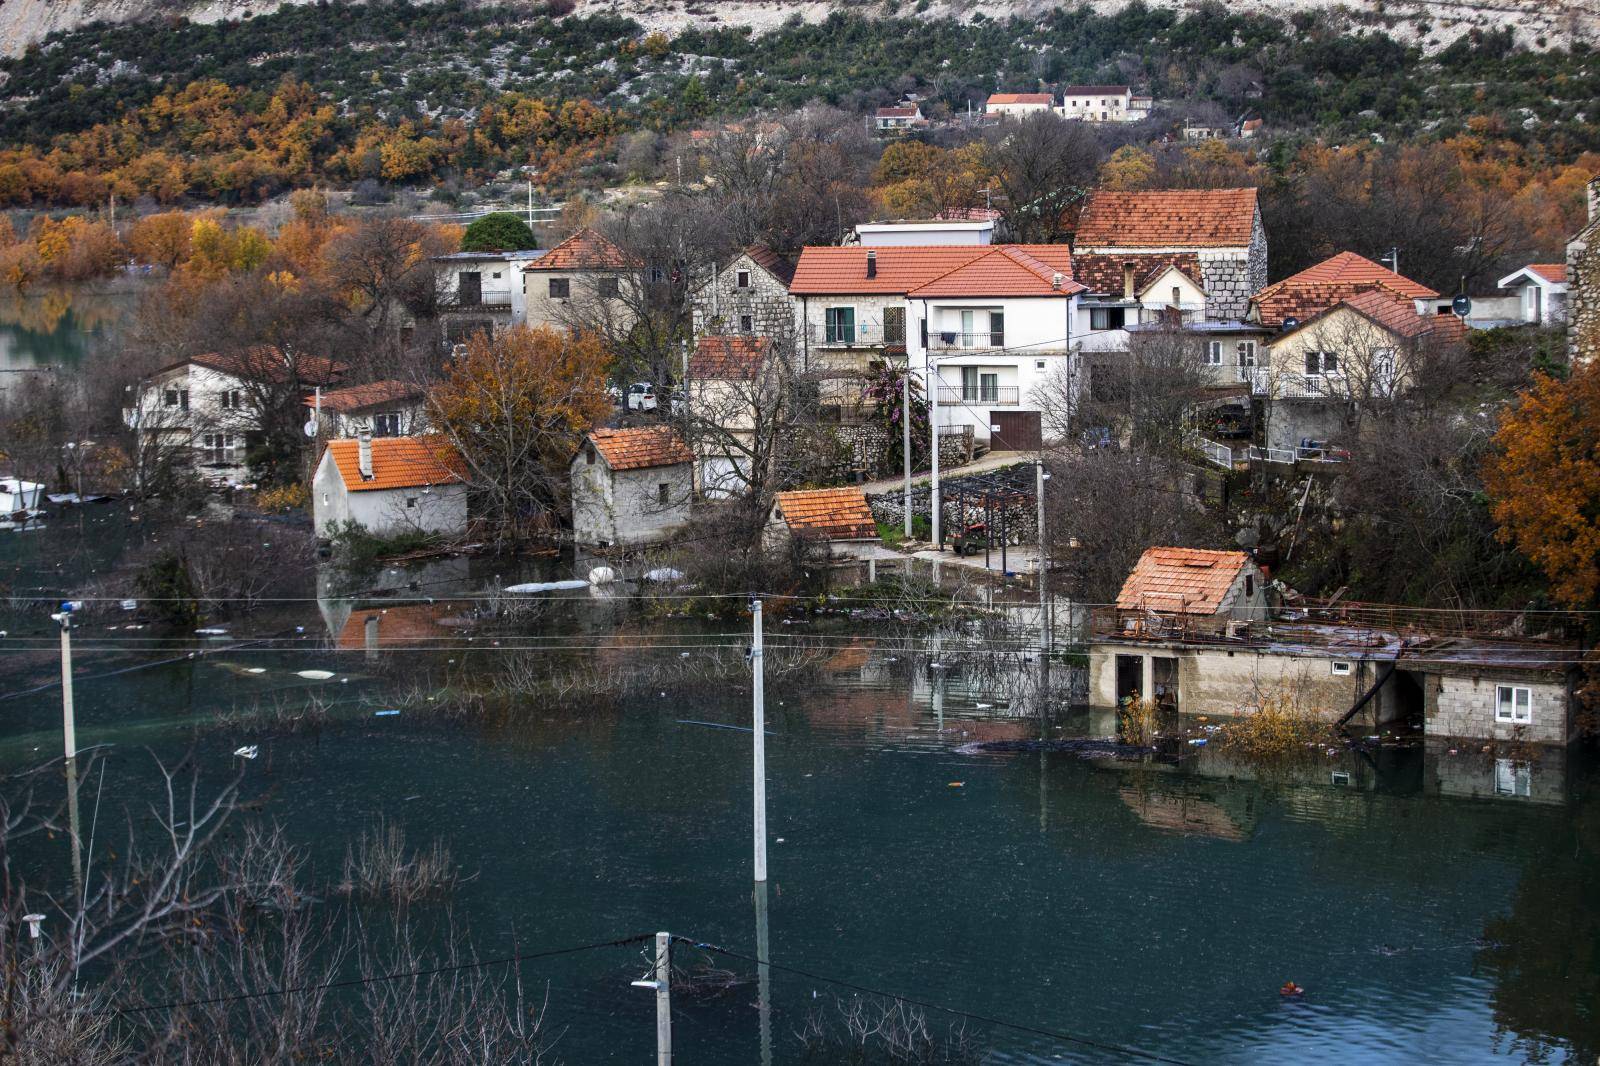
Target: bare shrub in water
point(865, 1029)
point(1138, 721)
point(1283, 723)
point(382, 867)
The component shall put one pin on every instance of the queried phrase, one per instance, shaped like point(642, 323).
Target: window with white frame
point(386, 424)
point(218, 447)
point(1512, 777)
point(229, 399)
point(839, 325)
point(1513, 703)
point(1214, 353)
point(741, 280)
point(1246, 352)
point(1341, 667)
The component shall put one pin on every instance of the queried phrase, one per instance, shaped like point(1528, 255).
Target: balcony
point(945, 341)
point(489, 301)
point(859, 335)
point(992, 396)
point(1289, 386)
point(1172, 317)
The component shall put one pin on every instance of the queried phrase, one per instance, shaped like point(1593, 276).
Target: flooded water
point(1091, 902)
point(58, 328)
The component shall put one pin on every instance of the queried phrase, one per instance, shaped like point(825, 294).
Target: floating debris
point(956, 784)
point(249, 751)
point(384, 714)
point(545, 586)
point(314, 675)
point(1089, 749)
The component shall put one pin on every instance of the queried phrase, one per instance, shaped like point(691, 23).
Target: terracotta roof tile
point(832, 514)
point(1325, 284)
point(1554, 272)
point(1103, 273)
point(1096, 90)
point(397, 463)
point(896, 112)
point(585, 250)
point(734, 358)
point(266, 363)
point(1167, 218)
point(773, 263)
point(1392, 312)
point(640, 448)
point(1181, 580)
point(1008, 270)
point(1021, 98)
point(1013, 269)
point(372, 394)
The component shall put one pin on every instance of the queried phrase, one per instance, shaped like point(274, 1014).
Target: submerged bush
point(1280, 725)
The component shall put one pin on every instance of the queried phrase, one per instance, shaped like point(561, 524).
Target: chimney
point(1056, 279)
point(364, 455)
point(1594, 199)
point(872, 263)
point(1127, 281)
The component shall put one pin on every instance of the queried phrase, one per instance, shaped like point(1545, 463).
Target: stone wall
point(1583, 285)
point(719, 304)
point(1226, 275)
point(1464, 707)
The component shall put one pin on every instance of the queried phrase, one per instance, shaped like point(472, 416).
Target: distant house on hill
point(1017, 105)
point(1099, 103)
point(893, 120)
point(389, 485)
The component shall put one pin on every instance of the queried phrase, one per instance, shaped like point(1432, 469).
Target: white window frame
point(1506, 700)
point(1213, 353)
point(1513, 777)
point(1341, 667)
point(741, 279)
point(1246, 353)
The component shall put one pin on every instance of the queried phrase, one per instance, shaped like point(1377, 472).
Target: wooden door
point(1015, 431)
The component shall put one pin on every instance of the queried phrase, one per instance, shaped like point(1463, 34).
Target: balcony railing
point(489, 301)
point(945, 340)
point(859, 335)
point(1290, 386)
point(1181, 315)
point(993, 396)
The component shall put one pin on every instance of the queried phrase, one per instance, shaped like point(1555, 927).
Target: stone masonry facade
point(721, 306)
point(1232, 275)
point(1583, 285)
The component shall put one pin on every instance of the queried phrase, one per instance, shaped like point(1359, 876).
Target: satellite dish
point(310, 428)
point(1462, 305)
point(1290, 323)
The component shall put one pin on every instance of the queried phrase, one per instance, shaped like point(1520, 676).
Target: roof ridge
point(1044, 271)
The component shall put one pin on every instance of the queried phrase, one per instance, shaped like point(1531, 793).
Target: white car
point(642, 396)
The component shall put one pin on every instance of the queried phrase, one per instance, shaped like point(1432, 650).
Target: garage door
point(1014, 431)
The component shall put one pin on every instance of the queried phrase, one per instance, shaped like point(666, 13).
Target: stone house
point(1583, 285)
point(388, 486)
point(749, 296)
point(841, 519)
point(1221, 228)
point(630, 487)
point(586, 280)
point(382, 408)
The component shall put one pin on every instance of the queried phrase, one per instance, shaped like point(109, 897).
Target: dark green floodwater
point(1139, 904)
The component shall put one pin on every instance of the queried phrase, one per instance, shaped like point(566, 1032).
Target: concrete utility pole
point(933, 430)
point(662, 986)
point(69, 730)
point(758, 726)
point(1039, 477)
point(905, 436)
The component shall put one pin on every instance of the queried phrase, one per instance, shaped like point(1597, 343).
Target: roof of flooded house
point(1020, 98)
point(728, 358)
point(585, 250)
point(372, 394)
point(1181, 580)
point(1392, 313)
point(397, 462)
point(641, 447)
point(1325, 284)
point(936, 270)
point(1167, 218)
point(1103, 272)
point(833, 514)
point(400, 626)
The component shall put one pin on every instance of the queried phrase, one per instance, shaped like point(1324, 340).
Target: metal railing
point(1300, 454)
point(1215, 452)
point(944, 340)
point(489, 301)
point(995, 395)
point(1181, 315)
point(1291, 386)
point(857, 335)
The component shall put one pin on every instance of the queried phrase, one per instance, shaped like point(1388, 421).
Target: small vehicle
point(677, 402)
point(972, 540)
point(642, 396)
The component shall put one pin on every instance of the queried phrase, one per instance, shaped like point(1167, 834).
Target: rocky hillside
point(1431, 23)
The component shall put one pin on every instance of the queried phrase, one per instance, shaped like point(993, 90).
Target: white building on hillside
point(480, 291)
point(1017, 105)
point(1542, 290)
point(937, 231)
point(1100, 103)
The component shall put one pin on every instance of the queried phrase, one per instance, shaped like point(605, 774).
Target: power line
point(1053, 1034)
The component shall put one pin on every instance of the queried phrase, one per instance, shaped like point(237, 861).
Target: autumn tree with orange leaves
point(515, 404)
point(1544, 483)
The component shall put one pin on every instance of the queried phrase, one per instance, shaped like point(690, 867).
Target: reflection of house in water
point(412, 626)
point(1529, 773)
point(339, 593)
point(1176, 807)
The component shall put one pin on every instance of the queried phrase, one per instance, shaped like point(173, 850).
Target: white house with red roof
point(1018, 105)
point(1541, 289)
point(899, 119)
point(1100, 103)
point(388, 486)
point(387, 408)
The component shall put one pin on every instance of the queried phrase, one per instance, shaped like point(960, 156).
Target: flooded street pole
point(758, 728)
point(69, 730)
point(763, 973)
point(933, 431)
point(663, 999)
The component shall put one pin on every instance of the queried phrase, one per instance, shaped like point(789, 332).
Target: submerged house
point(631, 486)
point(1199, 640)
point(388, 486)
point(838, 518)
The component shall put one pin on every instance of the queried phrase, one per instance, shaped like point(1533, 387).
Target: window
point(1106, 317)
point(495, 275)
point(978, 386)
point(324, 499)
point(218, 447)
point(588, 456)
point(839, 325)
point(1340, 667)
point(1247, 353)
point(1339, 777)
point(1383, 369)
point(1177, 296)
point(1512, 778)
point(469, 288)
point(1513, 703)
point(1038, 364)
point(1214, 353)
point(747, 324)
point(386, 425)
point(894, 325)
point(1249, 585)
point(229, 399)
point(1321, 363)
point(741, 280)
point(1330, 363)
point(663, 492)
point(170, 398)
point(560, 288)
point(609, 288)
point(411, 501)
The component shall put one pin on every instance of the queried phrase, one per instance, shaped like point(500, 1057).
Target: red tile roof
point(1103, 273)
point(372, 394)
point(1096, 90)
point(585, 250)
point(266, 363)
point(897, 112)
point(397, 463)
point(770, 261)
point(1008, 270)
point(1167, 218)
point(1554, 272)
point(641, 448)
point(1325, 284)
point(733, 358)
point(1181, 580)
point(1396, 314)
point(832, 514)
point(1021, 98)
point(1026, 268)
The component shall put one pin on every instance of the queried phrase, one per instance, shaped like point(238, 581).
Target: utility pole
point(69, 729)
point(933, 430)
point(905, 436)
point(1044, 619)
point(661, 984)
point(758, 724)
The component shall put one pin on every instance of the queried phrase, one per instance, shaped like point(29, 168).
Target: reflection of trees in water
point(1545, 952)
point(84, 310)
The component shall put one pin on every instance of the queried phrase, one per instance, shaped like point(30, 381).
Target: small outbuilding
point(389, 485)
point(840, 518)
point(631, 486)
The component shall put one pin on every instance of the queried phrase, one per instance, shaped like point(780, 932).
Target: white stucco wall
point(623, 507)
point(385, 512)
